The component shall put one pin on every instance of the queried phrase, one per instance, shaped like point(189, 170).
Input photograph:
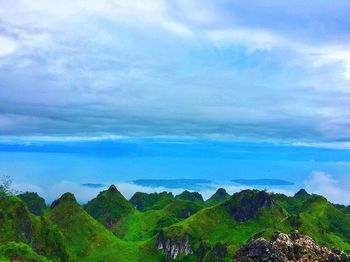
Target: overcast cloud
point(272, 70)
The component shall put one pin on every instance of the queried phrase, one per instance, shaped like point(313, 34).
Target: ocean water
point(45, 164)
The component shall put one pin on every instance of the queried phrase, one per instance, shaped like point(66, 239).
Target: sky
point(165, 89)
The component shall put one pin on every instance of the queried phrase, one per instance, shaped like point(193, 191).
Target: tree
point(5, 187)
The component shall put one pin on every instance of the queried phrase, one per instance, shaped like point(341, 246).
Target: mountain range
point(161, 226)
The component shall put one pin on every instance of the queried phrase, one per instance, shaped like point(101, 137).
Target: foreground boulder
point(286, 248)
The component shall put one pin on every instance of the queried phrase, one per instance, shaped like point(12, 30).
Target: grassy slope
point(190, 196)
point(152, 201)
point(109, 207)
point(216, 225)
point(17, 224)
point(34, 202)
point(218, 197)
point(315, 217)
point(139, 226)
point(87, 239)
point(14, 251)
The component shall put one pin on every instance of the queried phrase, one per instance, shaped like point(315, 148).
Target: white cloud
point(325, 185)
point(332, 54)
point(52, 15)
point(264, 40)
point(7, 45)
point(254, 39)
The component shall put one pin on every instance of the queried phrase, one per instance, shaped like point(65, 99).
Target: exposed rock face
point(286, 248)
point(172, 247)
point(245, 204)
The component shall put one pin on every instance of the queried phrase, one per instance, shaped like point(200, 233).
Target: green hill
point(88, 240)
point(19, 225)
point(343, 208)
point(253, 212)
point(190, 196)
point(184, 230)
point(156, 201)
point(109, 207)
point(34, 202)
point(17, 251)
point(139, 226)
point(218, 197)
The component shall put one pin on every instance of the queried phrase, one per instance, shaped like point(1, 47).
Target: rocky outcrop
point(287, 248)
point(246, 204)
point(173, 247)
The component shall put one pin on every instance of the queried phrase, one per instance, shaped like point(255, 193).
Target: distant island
point(263, 182)
point(194, 184)
point(93, 185)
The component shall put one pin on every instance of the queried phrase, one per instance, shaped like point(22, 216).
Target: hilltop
point(160, 226)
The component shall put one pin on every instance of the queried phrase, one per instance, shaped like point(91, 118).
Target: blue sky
point(101, 72)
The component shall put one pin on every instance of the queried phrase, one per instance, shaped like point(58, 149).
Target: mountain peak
point(66, 197)
point(218, 197)
point(301, 193)
point(191, 196)
point(221, 192)
point(109, 207)
point(113, 188)
point(246, 204)
point(34, 202)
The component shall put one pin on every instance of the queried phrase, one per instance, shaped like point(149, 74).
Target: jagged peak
point(112, 188)
point(283, 247)
point(66, 197)
point(302, 192)
point(245, 204)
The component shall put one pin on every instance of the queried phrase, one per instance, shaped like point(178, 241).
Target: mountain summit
point(219, 196)
point(109, 207)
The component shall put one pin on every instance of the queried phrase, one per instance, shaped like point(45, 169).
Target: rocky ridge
point(286, 248)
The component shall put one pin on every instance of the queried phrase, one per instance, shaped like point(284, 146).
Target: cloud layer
point(256, 70)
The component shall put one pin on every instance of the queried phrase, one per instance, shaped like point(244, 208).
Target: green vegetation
point(5, 187)
point(14, 251)
point(220, 196)
point(190, 196)
point(253, 212)
point(184, 228)
point(17, 224)
point(139, 226)
point(343, 208)
point(86, 238)
point(156, 201)
point(34, 202)
point(109, 207)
